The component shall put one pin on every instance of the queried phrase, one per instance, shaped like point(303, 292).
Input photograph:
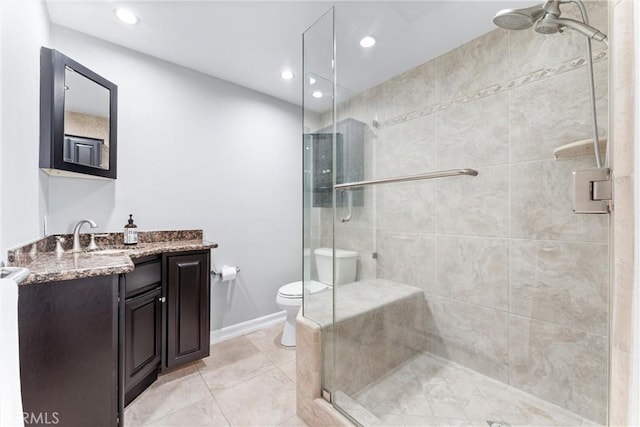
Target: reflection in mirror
point(86, 121)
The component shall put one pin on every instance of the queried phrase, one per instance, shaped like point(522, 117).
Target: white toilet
point(290, 295)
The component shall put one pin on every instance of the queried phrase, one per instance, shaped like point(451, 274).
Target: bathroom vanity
point(97, 327)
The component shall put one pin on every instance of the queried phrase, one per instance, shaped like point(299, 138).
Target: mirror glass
point(86, 121)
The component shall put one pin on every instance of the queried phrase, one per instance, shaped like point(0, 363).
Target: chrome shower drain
point(498, 424)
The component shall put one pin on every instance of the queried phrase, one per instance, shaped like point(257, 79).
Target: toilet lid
point(294, 290)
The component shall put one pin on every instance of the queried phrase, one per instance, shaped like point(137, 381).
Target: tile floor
point(430, 391)
point(250, 381)
point(246, 381)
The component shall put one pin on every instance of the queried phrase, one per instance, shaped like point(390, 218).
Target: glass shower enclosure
point(442, 157)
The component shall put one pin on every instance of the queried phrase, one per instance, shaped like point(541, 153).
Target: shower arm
point(592, 87)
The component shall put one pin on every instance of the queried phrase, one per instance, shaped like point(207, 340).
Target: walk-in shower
point(447, 164)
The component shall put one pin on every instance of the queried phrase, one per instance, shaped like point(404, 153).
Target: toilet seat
point(294, 290)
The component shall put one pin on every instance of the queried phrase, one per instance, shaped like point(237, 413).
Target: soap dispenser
point(130, 232)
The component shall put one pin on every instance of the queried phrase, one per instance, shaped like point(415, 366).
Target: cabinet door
point(143, 341)
point(187, 308)
point(69, 352)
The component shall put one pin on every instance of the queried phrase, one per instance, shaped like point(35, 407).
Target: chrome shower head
point(518, 19)
point(545, 26)
point(551, 24)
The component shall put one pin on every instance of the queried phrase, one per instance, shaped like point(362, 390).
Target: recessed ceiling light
point(317, 94)
point(287, 75)
point(126, 16)
point(312, 80)
point(367, 41)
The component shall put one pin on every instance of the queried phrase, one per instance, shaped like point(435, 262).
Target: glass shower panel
point(477, 299)
point(318, 160)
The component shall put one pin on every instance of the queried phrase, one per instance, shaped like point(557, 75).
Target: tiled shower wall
point(515, 283)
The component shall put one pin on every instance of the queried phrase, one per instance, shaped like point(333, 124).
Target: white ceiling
point(250, 42)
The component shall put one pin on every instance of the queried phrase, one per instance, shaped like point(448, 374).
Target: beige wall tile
point(406, 206)
point(474, 270)
point(621, 378)
point(542, 203)
point(556, 111)
point(474, 134)
point(560, 365)
point(472, 335)
point(622, 63)
point(622, 132)
point(476, 206)
point(409, 91)
point(562, 283)
point(308, 359)
point(406, 149)
point(407, 258)
point(622, 326)
point(473, 66)
point(622, 217)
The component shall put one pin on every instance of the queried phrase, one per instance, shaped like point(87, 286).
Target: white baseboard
point(247, 327)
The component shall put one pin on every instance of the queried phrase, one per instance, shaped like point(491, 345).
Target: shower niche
point(349, 162)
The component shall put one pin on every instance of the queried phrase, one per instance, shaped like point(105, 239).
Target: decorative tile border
point(526, 79)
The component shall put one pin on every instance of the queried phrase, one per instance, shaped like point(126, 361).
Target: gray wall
point(196, 152)
point(24, 28)
point(516, 285)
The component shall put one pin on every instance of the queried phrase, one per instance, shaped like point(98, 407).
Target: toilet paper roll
point(228, 273)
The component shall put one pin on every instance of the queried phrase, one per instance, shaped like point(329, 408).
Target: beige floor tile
point(205, 413)
point(170, 393)
point(266, 339)
point(227, 375)
point(281, 356)
point(229, 351)
point(266, 400)
point(289, 369)
point(294, 421)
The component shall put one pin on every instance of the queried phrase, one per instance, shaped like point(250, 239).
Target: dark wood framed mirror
point(78, 119)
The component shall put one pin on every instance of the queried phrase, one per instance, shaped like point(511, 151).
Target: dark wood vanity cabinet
point(89, 346)
point(187, 311)
point(69, 352)
point(166, 320)
point(142, 326)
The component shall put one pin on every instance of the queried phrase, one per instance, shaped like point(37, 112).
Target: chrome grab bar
point(429, 175)
point(418, 177)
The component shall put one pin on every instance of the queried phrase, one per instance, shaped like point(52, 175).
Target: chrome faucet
point(76, 233)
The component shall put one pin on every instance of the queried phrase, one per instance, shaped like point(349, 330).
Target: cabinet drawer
point(143, 275)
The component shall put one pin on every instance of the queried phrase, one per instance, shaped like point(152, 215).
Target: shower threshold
point(431, 391)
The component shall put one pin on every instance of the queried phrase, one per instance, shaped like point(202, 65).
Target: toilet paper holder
point(218, 271)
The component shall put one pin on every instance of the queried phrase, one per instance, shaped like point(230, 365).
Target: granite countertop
point(111, 257)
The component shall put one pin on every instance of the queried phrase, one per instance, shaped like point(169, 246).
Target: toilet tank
point(345, 265)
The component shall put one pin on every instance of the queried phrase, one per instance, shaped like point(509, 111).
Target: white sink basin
point(17, 274)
